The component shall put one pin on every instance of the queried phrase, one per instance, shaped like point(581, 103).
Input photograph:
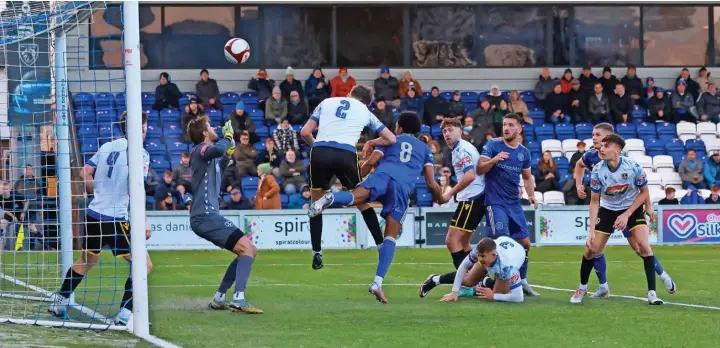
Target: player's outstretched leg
point(600, 265)
point(126, 304)
point(246, 253)
point(218, 301)
point(73, 277)
point(316, 226)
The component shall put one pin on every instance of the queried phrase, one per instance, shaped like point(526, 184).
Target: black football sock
point(71, 282)
point(448, 278)
point(126, 301)
point(586, 268)
point(649, 263)
point(458, 257)
point(316, 226)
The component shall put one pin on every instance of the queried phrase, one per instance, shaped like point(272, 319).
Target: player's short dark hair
point(409, 122)
point(196, 127)
point(123, 121)
point(450, 122)
point(362, 93)
point(485, 245)
point(186, 154)
point(605, 126)
point(615, 139)
point(514, 116)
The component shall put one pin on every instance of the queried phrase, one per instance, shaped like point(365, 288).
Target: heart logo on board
point(682, 225)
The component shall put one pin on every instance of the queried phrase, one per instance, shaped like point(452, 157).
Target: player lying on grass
point(106, 220)
point(398, 165)
point(587, 162)
point(501, 259)
point(619, 190)
point(208, 158)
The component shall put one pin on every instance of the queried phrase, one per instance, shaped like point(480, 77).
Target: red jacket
point(340, 88)
point(566, 85)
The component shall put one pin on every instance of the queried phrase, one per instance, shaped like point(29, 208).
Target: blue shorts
point(393, 196)
point(626, 232)
point(506, 220)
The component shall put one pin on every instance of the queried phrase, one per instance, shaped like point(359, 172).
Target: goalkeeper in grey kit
point(208, 158)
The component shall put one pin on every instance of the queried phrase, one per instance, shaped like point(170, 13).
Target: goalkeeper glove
point(231, 149)
point(227, 130)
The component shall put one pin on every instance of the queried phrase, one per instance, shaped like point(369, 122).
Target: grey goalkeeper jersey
point(207, 163)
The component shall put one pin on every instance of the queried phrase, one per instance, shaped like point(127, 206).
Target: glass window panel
point(369, 36)
point(106, 35)
point(297, 36)
point(561, 36)
point(443, 36)
point(197, 34)
point(675, 36)
point(607, 35)
point(716, 20)
point(510, 36)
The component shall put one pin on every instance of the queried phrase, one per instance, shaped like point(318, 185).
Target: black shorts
point(115, 234)
point(468, 214)
point(326, 162)
point(606, 219)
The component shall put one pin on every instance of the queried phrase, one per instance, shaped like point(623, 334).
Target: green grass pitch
point(331, 307)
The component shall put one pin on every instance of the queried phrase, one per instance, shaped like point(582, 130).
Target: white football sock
point(378, 281)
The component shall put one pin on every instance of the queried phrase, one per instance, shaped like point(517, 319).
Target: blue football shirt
point(404, 160)
point(503, 179)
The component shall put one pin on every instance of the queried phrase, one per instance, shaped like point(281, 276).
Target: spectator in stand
point(413, 102)
point(268, 191)
point(587, 81)
point(167, 94)
point(566, 81)
point(263, 85)
point(405, 84)
point(659, 109)
point(477, 131)
point(598, 106)
point(182, 174)
point(547, 178)
point(703, 79)
point(714, 195)
point(244, 156)
point(621, 105)
point(456, 107)
point(578, 103)
point(207, 90)
point(708, 105)
point(185, 198)
point(669, 197)
point(270, 155)
point(483, 117)
point(242, 122)
point(342, 84)
point(300, 200)
point(556, 105)
point(286, 138)
point(692, 197)
point(237, 201)
point(297, 110)
point(151, 183)
point(692, 86)
point(167, 202)
point(519, 107)
point(498, 116)
point(577, 155)
point(290, 84)
point(276, 108)
point(230, 178)
point(495, 97)
point(634, 86)
point(436, 107)
point(192, 110)
point(291, 171)
point(166, 188)
point(317, 88)
point(649, 87)
point(683, 104)
point(387, 86)
point(384, 114)
point(711, 169)
point(543, 87)
point(28, 185)
point(445, 187)
point(691, 171)
point(438, 156)
point(608, 81)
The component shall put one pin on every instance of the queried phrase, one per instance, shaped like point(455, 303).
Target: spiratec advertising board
point(570, 227)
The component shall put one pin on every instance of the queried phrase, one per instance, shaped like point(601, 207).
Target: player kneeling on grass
point(398, 165)
point(106, 177)
point(208, 158)
point(619, 190)
point(501, 259)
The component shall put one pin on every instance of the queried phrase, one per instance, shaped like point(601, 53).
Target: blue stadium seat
point(170, 115)
point(87, 131)
point(639, 113)
point(109, 132)
point(654, 147)
point(148, 99)
point(583, 130)
point(528, 97)
point(538, 116)
point(153, 116)
point(544, 132)
point(229, 99)
point(529, 131)
point(172, 129)
point(420, 182)
point(159, 164)
point(177, 148)
point(447, 95)
point(249, 184)
point(155, 148)
point(89, 148)
point(435, 130)
point(626, 130)
point(676, 149)
point(666, 131)
point(154, 131)
point(534, 162)
point(120, 100)
point(84, 116)
point(260, 146)
point(83, 101)
point(284, 201)
point(426, 95)
point(424, 198)
point(564, 178)
point(175, 138)
point(297, 128)
point(697, 145)
point(469, 97)
point(563, 164)
point(106, 116)
point(216, 116)
point(470, 107)
point(256, 115)
point(505, 95)
point(250, 95)
point(104, 101)
point(535, 147)
point(646, 131)
point(481, 96)
point(425, 129)
point(262, 130)
point(565, 131)
point(175, 160)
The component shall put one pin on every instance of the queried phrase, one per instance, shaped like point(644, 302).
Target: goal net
point(63, 91)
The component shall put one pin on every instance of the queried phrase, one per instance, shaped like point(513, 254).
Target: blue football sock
point(658, 268)
point(343, 198)
point(524, 267)
point(387, 252)
point(600, 266)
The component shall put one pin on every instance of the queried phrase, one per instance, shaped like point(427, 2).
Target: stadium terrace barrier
point(424, 227)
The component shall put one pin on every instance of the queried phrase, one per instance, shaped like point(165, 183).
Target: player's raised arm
point(386, 138)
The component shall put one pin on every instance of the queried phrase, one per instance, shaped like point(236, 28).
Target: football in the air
point(237, 51)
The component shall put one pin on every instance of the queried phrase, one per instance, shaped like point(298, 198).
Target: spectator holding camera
point(263, 85)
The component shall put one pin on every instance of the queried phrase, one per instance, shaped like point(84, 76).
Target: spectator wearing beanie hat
point(291, 84)
point(317, 88)
point(405, 83)
point(167, 94)
point(436, 107)
point(587, 81)
point(207, 91)
point(263, 85)
point(659, 107)
point(556, 105)
point(456, 107)
point(342, 84)
point(276, 107)
point(268, 191)
point(692, 86)
point(578, 102)
point(608, 81)
point(566, 81)
point(413, 102)
point(386, 86)
point(683, 103)
point(241, 121)
point(192, 110)
point(649, 87)
point(634, 86)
